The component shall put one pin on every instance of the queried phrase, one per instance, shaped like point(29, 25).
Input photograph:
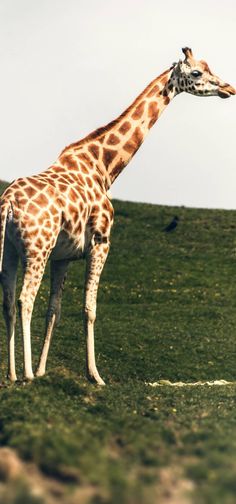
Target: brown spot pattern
point(63, 187)
point(134, 142)
point(94, 149)
point(98, 180)
point(30, 191)
point(23, 201)
point(90, 196)
point(34, 232)
point(37, 183)
point(54, 175)
point(73, 195)
point(53, 210)
point(106, 205)
point(97, 194)
point(89, 182)
point(125, 127)
point(153, 91)
point(84, 168)
point(68, 160)
point(117, 169)
point(108, 156)
point(83, 196)
point(45, 234)
point(113, 139)
point(80, 179)
point(138, 111)
point(73, 212)
point(32, 209)
point(153, 113)
point(18, 194)
point(78, 228)
point(60, 169)
point(85, 157)
point(39, 243)
point(95, 209)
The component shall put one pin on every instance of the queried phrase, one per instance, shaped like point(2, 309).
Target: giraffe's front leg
point(96, 258)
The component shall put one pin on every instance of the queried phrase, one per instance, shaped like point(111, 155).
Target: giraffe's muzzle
point(226, 91)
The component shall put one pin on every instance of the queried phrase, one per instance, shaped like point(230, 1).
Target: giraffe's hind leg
point(58, 275)
point(8, 281)
point(33, 272)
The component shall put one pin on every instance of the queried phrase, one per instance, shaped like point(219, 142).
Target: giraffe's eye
point(196, 73)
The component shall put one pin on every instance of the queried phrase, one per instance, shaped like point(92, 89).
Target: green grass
point(166, 310)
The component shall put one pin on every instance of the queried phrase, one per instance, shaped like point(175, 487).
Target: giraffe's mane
point(99, 132)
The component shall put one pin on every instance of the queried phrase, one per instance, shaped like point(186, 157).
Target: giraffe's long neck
point(123, 139)
point(113, 146)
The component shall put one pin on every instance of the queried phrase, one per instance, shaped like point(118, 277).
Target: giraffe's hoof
point(40, 372)
point(96, 379)
point(100, 382)
point(12, 378)
point(28, 378)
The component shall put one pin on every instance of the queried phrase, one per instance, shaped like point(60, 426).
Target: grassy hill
point(166, 311)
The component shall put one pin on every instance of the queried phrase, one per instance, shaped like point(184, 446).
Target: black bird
point(172, 224)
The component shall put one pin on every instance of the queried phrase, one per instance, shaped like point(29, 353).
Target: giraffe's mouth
point(226, 91)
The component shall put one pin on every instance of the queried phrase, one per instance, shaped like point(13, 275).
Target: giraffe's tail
point(4, 209)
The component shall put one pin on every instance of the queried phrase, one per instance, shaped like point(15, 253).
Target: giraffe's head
point(195, 77)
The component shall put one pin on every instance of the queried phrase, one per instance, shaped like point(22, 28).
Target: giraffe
point(64, 213)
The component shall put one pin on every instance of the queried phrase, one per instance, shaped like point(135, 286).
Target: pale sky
point(70, 66)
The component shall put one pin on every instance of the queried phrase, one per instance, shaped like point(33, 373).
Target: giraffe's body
point(64, 213)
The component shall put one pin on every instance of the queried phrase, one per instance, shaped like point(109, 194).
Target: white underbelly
point(67, 248)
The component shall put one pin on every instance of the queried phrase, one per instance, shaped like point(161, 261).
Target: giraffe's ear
point(188, 52)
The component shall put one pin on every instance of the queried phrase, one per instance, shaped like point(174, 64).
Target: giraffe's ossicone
point(64, 213)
